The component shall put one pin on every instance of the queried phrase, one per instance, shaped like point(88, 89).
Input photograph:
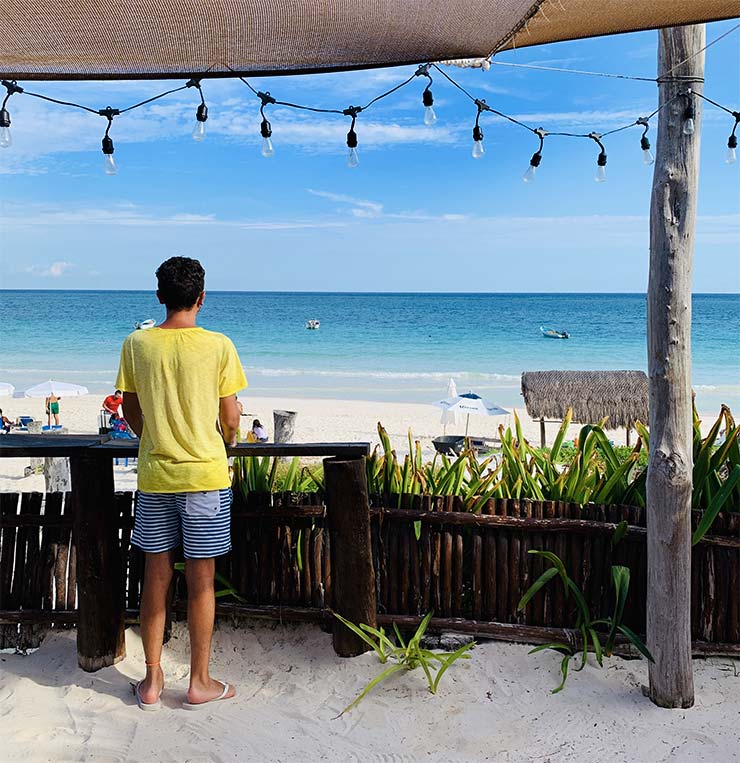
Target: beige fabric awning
point(127, 39)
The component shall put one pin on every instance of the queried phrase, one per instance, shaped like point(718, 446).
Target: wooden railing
point(302, 556)
point(101, 605)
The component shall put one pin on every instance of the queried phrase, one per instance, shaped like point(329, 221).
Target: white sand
point(494, 707)
point(317, 421)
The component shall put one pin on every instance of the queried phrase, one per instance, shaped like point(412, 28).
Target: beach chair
point(449, 444)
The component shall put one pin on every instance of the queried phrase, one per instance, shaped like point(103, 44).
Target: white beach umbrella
point(448, 416)
point(470, 403)
point(58, 388)
point(6, 389)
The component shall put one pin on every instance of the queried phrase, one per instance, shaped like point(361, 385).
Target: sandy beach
point(318, 420)
point(495, 707)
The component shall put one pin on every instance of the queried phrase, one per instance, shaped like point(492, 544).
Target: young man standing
point(179, 386)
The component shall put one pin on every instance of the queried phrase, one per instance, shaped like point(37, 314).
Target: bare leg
point(157, 578)
point(56, 419)
point(201, 611)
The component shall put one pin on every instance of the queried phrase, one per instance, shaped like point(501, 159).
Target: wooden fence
point(427, 553)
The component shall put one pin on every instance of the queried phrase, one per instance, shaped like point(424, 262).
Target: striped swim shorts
point(200, 522)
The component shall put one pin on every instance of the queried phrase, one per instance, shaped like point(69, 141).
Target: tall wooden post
point(669, 481)
point(353, 581)
point(100, 584)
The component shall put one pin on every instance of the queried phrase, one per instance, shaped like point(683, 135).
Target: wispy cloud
point(362, 208)
point(131, 215)
point(54, 270)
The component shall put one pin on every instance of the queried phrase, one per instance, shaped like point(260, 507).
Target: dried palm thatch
point(621, 397)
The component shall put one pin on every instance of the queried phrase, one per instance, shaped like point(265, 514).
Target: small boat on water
point(553, 333)
point(313, 324)
point(147, 324)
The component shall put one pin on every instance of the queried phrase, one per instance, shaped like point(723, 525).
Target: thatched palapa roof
point(619, 396)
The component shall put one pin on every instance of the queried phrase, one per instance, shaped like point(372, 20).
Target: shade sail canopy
point(128, 39)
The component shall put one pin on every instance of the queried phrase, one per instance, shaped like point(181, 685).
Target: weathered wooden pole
point(353, 580)
point(100, 583)
point(669, 480)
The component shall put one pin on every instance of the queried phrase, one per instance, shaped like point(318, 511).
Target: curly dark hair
point(180, 280)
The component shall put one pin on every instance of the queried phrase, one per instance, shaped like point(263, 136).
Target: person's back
point(179, 386)
point(180, 376)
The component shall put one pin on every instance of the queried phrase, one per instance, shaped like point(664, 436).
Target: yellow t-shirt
point(179, 376)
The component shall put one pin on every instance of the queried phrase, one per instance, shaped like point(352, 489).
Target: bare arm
point(132, 412)
point(228, 418)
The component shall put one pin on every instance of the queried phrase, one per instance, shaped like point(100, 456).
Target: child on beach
point(179, 385)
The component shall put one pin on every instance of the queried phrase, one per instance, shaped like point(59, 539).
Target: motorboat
point(147, 324)
point(553, 333)
point(313, 324)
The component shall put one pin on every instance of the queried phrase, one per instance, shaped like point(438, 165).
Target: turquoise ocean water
point(401, 347)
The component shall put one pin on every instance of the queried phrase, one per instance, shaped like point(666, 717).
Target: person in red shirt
point(112, 403)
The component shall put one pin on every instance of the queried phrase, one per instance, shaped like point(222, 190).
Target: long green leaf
point(541, 581)
point(717, 504)
point(380, 677)
point(449, 660)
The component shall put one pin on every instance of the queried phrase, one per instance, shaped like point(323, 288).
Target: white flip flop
point(148, 706)
point(201, 705)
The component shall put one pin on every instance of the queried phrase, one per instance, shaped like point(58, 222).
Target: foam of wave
point(432, 375)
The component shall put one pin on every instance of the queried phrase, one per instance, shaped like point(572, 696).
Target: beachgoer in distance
point(52, 409)
point(112, 403)
point(179, 386)
point(5, 423)
point(259, 432)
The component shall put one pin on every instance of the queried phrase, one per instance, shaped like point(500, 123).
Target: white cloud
point(131, 215)
point(362, 208)
point(54, 270)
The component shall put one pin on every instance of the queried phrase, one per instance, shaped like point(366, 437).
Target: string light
point(109, 165)
point(267, 149)
point(430, 117)
point(478, 149)
point(731, 156)
point(689, 115)
point(600, 176)
point(353, 158)
point(647, 154)
point(6, 139)
point(265, 127)
point(201, 115)
point(534, 162)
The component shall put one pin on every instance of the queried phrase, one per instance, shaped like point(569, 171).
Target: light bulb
point(600, 176)
point(529, 175)
point(110, 165)
point(267, 150)
point(478, 149)
point(6, 139)
point(647, 156)
point(731, 156)
point(353, 158)
point(429, 116)
point(688, 126)
point(199, 131)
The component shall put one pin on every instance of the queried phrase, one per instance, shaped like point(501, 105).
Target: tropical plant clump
point(591, 470)
point(404, 655)
point(589, 628)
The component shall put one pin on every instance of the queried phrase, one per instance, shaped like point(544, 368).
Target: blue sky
point(418, 214)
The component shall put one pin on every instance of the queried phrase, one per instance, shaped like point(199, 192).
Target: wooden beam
point(100, 574)
point(669, 480)
point(353, 579)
